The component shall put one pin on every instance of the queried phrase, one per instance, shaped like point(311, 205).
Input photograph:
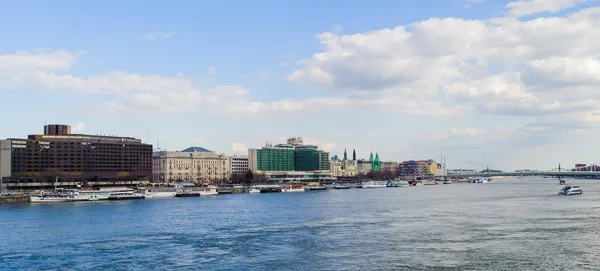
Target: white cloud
point(239, 147)
point(212, 70)
point(78, 128)
point(159, 36)
point(529, 7)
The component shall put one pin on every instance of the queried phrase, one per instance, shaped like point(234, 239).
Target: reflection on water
point(505, 225)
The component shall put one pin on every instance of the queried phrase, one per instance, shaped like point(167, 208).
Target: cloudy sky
point(505, 84)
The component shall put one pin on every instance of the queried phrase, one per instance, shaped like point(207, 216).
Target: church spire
point(371, 157)
point(345, 155)
point(354, 155)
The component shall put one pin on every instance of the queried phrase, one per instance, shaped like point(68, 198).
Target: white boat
point(254, 189)
point(208, 191)
point(51, 198)
point(159, 192)
point(482, 180)
point(570, 190)
point(295, 187)
point(372, 184)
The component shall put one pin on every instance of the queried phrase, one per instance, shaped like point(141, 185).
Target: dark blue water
point(505, 225)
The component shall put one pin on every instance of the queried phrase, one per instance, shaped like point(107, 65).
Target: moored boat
point(159, 192)
point(341, 186)
point(315, 186)
point(373, 184)
point(295, 187)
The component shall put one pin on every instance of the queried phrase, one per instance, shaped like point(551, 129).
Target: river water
point(509, 224)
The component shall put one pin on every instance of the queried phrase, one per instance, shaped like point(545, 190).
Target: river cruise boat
point(207, 191)
point(373, 184)
point(159, 192)
point(61, 196)
point(397, 184)
point(570, 190)
point(341, 186)
point(315, 186)
point(265, 188)
point(295, 187)
point(482, 180)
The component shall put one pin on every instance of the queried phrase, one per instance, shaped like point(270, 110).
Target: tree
point(260, 178)
point(249, 177)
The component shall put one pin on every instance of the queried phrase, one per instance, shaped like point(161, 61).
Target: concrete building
point(60, 158)
point(191, 164)
point(418, 168)
point(390, 166)
point(343, 168)
point(238, 165)
point(363, 166)
point(293, 161)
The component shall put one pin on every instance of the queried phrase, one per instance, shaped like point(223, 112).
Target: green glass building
point(293, 156)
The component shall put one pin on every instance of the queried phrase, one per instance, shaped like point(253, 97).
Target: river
point(509, 224)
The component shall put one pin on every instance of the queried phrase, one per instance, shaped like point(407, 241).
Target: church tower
point(354, 155)
point(345, 155)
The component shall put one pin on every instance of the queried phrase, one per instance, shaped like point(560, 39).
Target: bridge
point(518, 174)
point(581, 171)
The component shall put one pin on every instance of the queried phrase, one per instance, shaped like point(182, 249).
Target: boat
point(265, 188)
point(341, 186)
point(397, 184)
point(315, 186)
point(570, 190)
point(482, 180)
point(208, 191)
point(187, 194)
point(373, 184)
point(561, 182)
point(159, 192)
point(447, 182)
point(52, 197)
point(295, 187)
point(99, 194)
point(126, 196)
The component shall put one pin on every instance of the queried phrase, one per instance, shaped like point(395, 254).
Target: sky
point(505, 84)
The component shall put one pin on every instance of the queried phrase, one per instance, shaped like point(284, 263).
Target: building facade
point(191, 164)
point(418, 168)
point(238, 164)
point(343, 168)
point(293, 161)
point(59, 158)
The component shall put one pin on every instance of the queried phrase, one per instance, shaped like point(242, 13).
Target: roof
point(195, 149)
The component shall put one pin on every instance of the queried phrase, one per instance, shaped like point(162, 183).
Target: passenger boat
point(265, 188)
point(373, 184)
point(159, 192)
point(126, 196)
point(570, 190)
point(99, 194)
point(295, 187)
point(397, 184)
point(208, 191)
point(187, 194)
point(315, 186)
point(52, 197)
point(482, 180)
point(341, 186)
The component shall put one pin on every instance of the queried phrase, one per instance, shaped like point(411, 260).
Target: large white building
point(191, 164)
point(238, 164)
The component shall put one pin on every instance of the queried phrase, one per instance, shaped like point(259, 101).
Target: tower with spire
point(354, 155)
point(345, 155)
point(375, 164)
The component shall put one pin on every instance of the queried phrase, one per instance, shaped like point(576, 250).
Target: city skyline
point(509, 84)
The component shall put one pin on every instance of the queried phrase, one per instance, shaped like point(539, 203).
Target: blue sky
point(470, 79)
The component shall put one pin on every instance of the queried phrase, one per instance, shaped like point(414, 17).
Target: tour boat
point(397, 184)
point(315, 186)
point(482, 180)
point(159, 192)
point(208, 191)
point(126, 195)
point(341, 186)
point(254, 189)
point(55, 197)
point(570, 190)
point(295, 187)
point(373, 184)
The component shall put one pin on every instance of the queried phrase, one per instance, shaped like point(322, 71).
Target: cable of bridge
point(470, 162)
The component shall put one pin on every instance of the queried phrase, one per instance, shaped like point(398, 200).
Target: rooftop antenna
point(157, 146)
